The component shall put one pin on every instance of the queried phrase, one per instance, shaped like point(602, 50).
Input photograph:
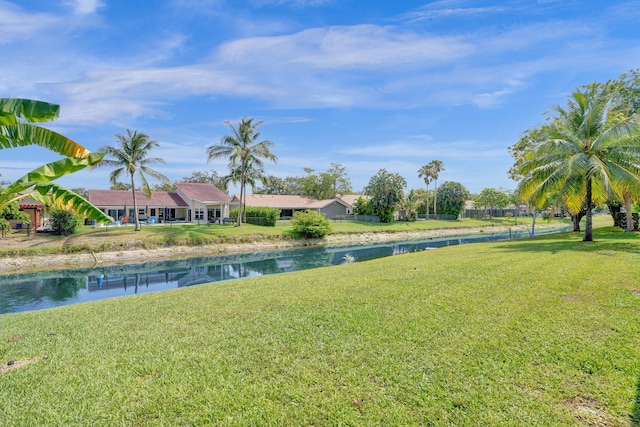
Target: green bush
point(310, 224)
point(64, 222)
point(259, 215)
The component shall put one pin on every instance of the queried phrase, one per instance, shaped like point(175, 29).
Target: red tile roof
point(206, 193)
point(29, 203)
point(286, 201)
point(125, 197)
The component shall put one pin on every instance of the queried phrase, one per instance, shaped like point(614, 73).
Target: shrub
point(259, 215)
point(310, 224)
point(64, 222)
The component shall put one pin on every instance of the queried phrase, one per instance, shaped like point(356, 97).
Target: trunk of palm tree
point(533, 223)
point(135, 206)
point(575, 219)
point(427, 201)
point(435, 198)
point(241, 207)
point(627, 205)
point(588, 229)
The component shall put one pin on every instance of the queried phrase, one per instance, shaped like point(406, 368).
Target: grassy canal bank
point(21, 253)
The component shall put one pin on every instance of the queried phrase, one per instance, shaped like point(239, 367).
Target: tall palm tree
point(426, 172)
point(589, 153)
point(129, 157)
point(17, 130)
point(244, 151)
point(436, 167)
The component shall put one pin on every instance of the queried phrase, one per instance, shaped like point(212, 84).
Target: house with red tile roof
point(190, 202)
point(288, 204)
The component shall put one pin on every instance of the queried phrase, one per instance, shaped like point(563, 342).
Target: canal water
point(36, 291)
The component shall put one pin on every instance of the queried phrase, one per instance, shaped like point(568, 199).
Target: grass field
point(528, 332)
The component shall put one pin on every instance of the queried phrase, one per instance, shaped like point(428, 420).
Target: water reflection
point(34, 291)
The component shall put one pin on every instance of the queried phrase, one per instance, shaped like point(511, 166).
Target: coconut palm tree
point(589, 153)
point(17, 130)
point(426, 172)
point(130, 157)
point(244, 152)
point(436, 167)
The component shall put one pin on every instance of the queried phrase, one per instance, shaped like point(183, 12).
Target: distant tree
point(9, 212)
point(337, 176)
point(363, 206)
point(120, 186)
point(491, 198)
point(273, 185)
point(325, 185)
point(452, 198)
point(3, 183)
point(207, 177)
point(426, 172)
point(436, 166)
point(387, 193)
point(81, 191)
point(130, 157)
point(244, 152)
point(312, 185)
point(421, 194)
point(410, 205)
point(167, 187)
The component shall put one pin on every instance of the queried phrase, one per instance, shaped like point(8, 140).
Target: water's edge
point(34, 291)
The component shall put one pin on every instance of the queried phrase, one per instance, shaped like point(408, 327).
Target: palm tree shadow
point(609, 239)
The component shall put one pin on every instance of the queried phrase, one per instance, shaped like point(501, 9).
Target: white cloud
point(348, 48)
point(85, 7)
point(16, 23)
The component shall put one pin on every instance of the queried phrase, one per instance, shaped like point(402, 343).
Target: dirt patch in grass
point(589, 411)
point(16, 364)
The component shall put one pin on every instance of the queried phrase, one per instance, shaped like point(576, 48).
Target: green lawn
point(527, 332)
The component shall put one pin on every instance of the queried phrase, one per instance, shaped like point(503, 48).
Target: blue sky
point(368, 84)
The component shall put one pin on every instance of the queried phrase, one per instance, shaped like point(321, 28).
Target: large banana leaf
point(40, 181)
point(52, 171)
point(23, 134)
point(59, 197)
point(12, 109)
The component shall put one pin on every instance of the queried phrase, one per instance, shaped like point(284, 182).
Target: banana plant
point(16, 131)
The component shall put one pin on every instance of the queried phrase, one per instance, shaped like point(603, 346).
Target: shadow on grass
point(635, 415)
point(605, 239)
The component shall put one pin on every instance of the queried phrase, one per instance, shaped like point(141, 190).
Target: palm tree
point(244, 152)
point(410, 205)
point(130, 157)
point(588, 154)
point(425, 172)
point(252, 175)
point(17, 130)
point(436, 167)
